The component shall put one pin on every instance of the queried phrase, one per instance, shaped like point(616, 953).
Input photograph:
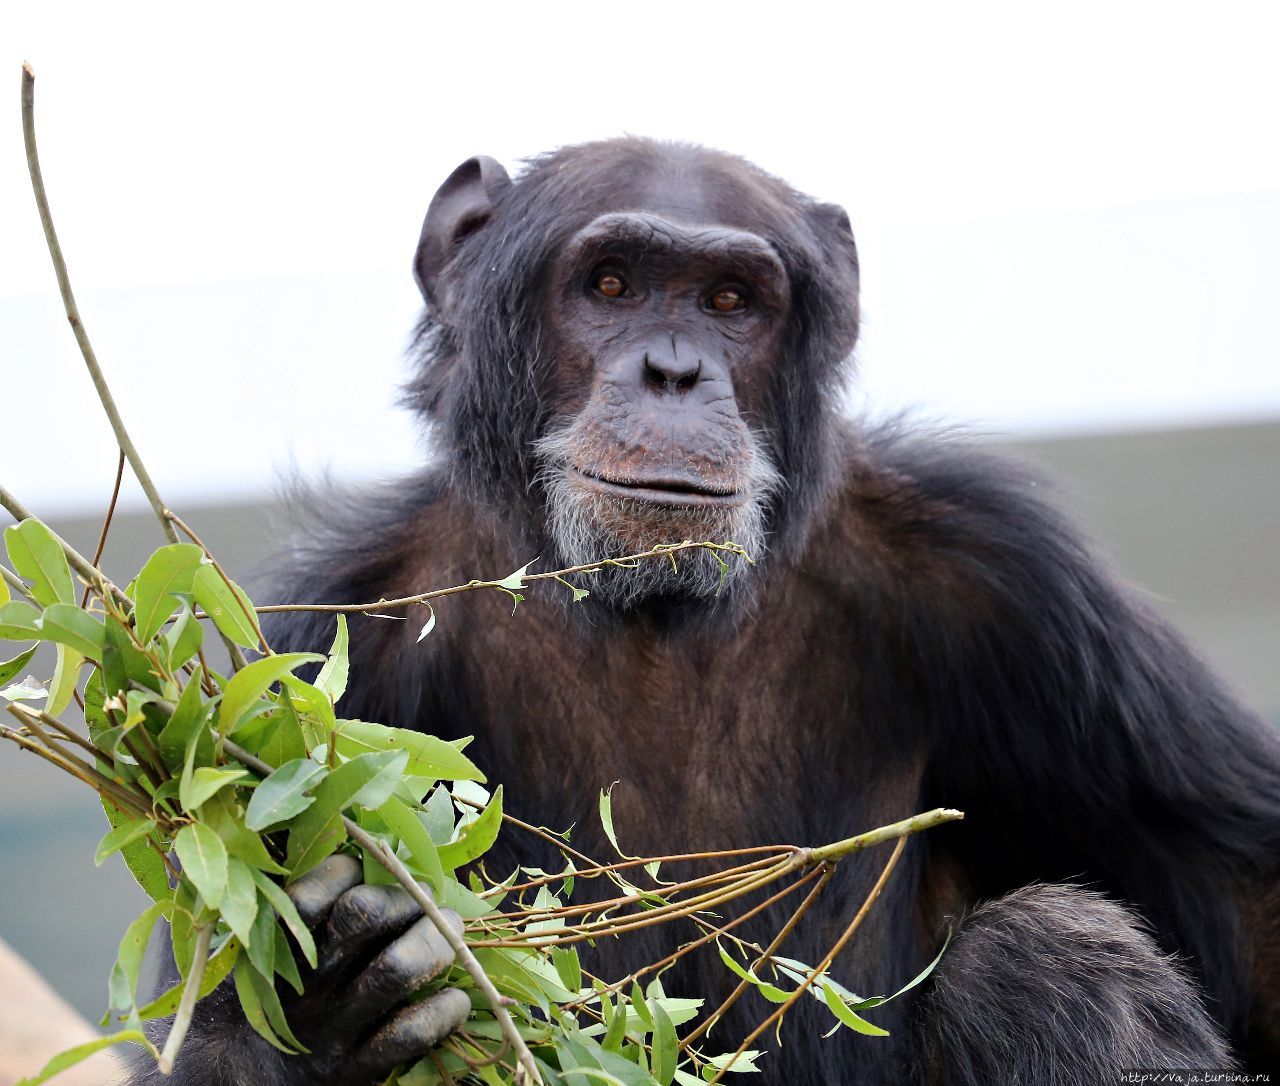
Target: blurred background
point(1068, 218)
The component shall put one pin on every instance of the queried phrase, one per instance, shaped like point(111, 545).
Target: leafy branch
point(221, 790)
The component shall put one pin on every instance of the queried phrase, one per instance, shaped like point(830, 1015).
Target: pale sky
point(1069, 217)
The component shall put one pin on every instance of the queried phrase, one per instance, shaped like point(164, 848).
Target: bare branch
point(73, 311)
point(182, 1019)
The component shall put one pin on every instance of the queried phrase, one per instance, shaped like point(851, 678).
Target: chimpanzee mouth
point(659, 491)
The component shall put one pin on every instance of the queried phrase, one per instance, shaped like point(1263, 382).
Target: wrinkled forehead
point(655, 237)
point(680, 205)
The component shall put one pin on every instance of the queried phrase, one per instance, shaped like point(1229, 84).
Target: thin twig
point(73, 312)
point(823, 965)
point(777, 852)
point(69, 732)
point(769, 951)
point(18, 585)
point(702, 940)
point(68, 763)
point(106, 522)
point(190, 993)
point(838, 850)
point(662, 551)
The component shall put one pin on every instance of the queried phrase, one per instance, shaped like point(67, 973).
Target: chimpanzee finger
point(413, 1032)
point(315, 893)
point(361, 918)
point(416, 957)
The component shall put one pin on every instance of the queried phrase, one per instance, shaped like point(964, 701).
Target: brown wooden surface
point(38, 1023)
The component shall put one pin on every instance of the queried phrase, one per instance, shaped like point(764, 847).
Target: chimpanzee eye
point(610, 284)
point(727, 300)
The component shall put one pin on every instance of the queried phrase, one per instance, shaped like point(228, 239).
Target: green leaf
point(385, 770)
point(36, 554)
point(262, 947)
point(739, 1065)
point(66, 624)
point(124, 834)
point(224, 816)
point(247, 686)
point(10, 668)
point(251, 1003)
point(641, 1008)
point(616, 1027)
point(270, 1000)
point(75, 1055)
point(29, 689)
point(128, 965)
point(123, 663)
point(199, 745)
point(771, 992)
point(307, 700)
point(429, 756)
point(143, 861)
point(239, 906)
point(170, 569)
point(182, 929)
point(568, 966)
point(283, 904)
point(188, 715)
point(283, 794)
point(204, 783)
point(286, 966)
point(65, 676)
point(215, 972)
point(476, 838)
point(5, 594)
point(515, 580)
point(429, 625)
point(333, 676)
point(437, 815)
point(606, 820)
point(406, 825)
point(204, 860)
point(183, 639)
point(665, 1054)
point(134, 703)
point(229, 607)
point(283, 740)
point(838, 1007)
point(19, 621)
point(367, 780)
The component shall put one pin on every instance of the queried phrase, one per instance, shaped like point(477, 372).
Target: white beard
point(587, 525)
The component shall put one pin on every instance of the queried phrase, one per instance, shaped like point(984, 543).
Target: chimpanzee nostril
point(667, 374)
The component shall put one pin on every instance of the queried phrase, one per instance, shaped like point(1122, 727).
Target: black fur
point(1057, 986)
point(925, 630)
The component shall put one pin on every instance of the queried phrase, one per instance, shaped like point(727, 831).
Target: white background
point(1069, 215)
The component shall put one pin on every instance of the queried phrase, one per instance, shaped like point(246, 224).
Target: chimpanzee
point(636, 342)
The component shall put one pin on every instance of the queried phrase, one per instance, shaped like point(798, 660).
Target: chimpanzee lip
point(669, 491)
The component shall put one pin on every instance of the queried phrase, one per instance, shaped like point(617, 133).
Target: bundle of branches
point(221, 789)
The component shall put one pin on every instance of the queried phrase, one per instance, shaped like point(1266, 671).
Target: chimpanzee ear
point(840, 275)
point(462, 205)
point(832, 224)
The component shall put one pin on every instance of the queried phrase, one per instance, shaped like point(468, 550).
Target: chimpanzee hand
point(375, 949)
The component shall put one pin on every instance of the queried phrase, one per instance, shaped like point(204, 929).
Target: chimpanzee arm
point(1086, 741)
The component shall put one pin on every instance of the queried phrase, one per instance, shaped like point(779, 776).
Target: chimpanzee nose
point(671, 370)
